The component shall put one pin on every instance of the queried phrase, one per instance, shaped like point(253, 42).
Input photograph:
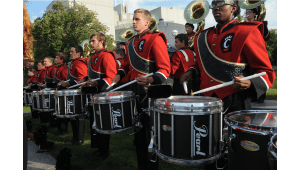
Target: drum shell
point(65, 107)
point(114, 116)
point(248, 145)
point(272, 154)
point(28, 99)
point(189, 143)
point(48, 100)
point(35, 100)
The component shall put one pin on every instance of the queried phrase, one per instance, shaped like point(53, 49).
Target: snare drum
point(70, 103)
point(272, 152)
point(47, 100)
point(113, 111)
point(28, 98)
point(35, 99)
point(249, 134)
point(188, 129)
point(24, 98)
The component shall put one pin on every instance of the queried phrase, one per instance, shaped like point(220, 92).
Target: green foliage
point(64, 26)
point(272, 46)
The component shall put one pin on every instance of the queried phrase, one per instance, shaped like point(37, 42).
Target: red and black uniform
point(191, 35)
point(266, 31)
point(182, 60)
point(31, 79)
point(61, 73)
point(49, 74)
point(233, 50)
point(40, 76)
point(102, 64)
point(147, 53)
point(78, 70)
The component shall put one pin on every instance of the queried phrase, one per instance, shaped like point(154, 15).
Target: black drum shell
point(241, 158)
point(77, 108)
point(185, 136)
point(112, 115)
point(34, 102)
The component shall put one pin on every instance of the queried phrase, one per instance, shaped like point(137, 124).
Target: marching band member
point(60, 74)
point(120, 58)
point(182, 60)
point(147, 53)
point(233, 50)
point(102, 64)
point(78, 71)
point(32, 79)
point(189, 30)
point(253, 15)
point(40, 78)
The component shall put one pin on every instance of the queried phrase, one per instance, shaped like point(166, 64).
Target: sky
point(36, 8)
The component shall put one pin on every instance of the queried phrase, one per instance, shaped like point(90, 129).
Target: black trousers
point(98, 140)
point(62, 124)
point(142, 139)
point(34, 113)
point(78, 124)
point(44, 117)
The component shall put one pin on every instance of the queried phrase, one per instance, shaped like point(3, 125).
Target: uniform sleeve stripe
point(162, 74)
point(105, 82)
point(123, 71)
point(119, 63)
point(265, 82)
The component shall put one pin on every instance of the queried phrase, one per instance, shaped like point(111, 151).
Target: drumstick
point(60, 82)
point(228, 83)
point(76, 85)
point(124, 85)
point(110, 86)
point(185, 87)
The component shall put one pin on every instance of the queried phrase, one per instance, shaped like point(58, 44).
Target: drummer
point(149, 46)
point(182, 60)
point(40, 78)
point(31, 79)
point(61, 75)
point(78, 71)
point(120, 58)
point(234, 52)
point(102, 64)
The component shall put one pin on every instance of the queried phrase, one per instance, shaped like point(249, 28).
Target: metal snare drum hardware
point(113, 111)
point(249, 136)
point(188, 129)
point(35, 98)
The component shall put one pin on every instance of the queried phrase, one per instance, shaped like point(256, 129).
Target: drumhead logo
point(250, 146)
point(198, 133)
point(116, 114)
point(167, 128)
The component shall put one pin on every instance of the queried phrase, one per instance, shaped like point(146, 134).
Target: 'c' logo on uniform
point(226, 43)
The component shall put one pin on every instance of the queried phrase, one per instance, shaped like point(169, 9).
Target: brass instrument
point(154, 23)
point(85, 47)
point(126, 33)
point(248, 4)
point(196, 12)
point(262, 12)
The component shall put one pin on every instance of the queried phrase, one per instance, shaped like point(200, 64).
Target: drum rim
point(182, 113)
point(247, 127)
point(68, 92)
point(104, 99)
point(113, 131)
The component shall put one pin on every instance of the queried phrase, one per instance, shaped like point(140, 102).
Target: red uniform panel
point(248, 47)
point(158, 53)
point(61, 72)
point(40, 78)
point(120, 63)
point(31, 79)
point(78, 69)
point(104, 63)
point(50, 71)
point(179, 65)
point(192, 34)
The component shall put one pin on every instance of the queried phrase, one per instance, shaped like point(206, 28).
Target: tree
point(272, 46)
point(64, 26)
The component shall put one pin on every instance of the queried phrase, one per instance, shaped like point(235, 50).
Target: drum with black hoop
point(40, 101)
point(188, 129)
point(70, 103)
point(28, 98)
point(35, 98)
point(46, 100)
point(272, 152)
point(24, 98)
point(249, 134)
point(113, 111)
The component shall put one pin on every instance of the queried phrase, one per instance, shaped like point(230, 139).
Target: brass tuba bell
point(86, 49)
point(248, 4)
point(126, 33)
point(262, 12)
point(154, 23)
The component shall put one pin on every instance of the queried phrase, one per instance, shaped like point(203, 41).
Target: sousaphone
point(154, 23)
point(194, 13)
point(126, 33)
point(86, 48)
point(248, 4)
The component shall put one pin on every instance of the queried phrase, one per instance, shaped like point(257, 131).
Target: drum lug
point(231, 137)
point(151, 145)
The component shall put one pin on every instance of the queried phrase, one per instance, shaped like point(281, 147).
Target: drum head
point(89, 90)
point(253, 118)
point(111, 97)
point(193, 105)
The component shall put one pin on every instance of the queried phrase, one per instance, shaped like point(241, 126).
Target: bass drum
point(188, 129)
point(249, 134)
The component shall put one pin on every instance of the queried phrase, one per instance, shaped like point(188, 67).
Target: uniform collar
point(143, 33)
point(61, 64)
point(49, 66)
point(99, 51)
point(226, 27)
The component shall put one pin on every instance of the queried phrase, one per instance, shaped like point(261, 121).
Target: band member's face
point(40, 66)
point(250, 15)
point(139, 23)
point(30, 73)
point(188, 29)
point(73, 53)
point(223, 14)
point(58, 60)
point(178, 44)
point(47, 62)
point(122, 46)
point(95, 44)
